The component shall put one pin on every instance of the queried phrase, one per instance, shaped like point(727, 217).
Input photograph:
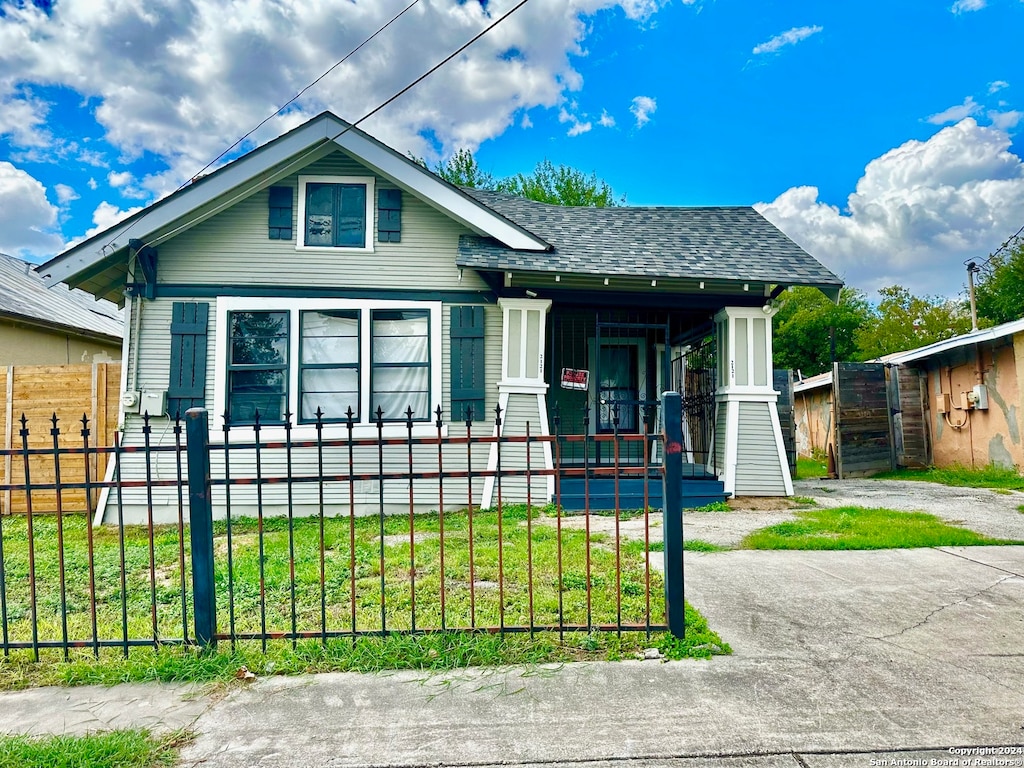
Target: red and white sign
point(574, 378)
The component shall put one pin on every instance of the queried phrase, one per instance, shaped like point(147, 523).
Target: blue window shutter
point(187, 386)
point(389, 215)
point(467, 362)
point(280, 213)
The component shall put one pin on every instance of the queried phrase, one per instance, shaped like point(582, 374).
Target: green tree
point(560, 185)
point(462, 170)
point(903, 321)
point(806, 323)
point(548, 183)
point(999, 291)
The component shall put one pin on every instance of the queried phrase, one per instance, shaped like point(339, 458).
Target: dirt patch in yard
point(763, 503)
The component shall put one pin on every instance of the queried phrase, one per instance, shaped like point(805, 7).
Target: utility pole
point(971, 269)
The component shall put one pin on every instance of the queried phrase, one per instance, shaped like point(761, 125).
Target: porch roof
point(708, 243)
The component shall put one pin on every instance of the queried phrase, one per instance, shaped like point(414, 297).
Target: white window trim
point(365, 427)
point(300, 235)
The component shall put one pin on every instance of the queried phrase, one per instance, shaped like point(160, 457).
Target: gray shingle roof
point(23, 294)
point(714, 243)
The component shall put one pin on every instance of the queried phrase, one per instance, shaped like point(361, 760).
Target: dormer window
point(335, 212)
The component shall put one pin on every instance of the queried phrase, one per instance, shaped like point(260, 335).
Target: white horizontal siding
point(758, 471)
point(233, 248)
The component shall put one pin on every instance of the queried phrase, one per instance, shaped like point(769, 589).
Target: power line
point(985, 265)
point(296, 97)
point(290, 101)
point(373, 111)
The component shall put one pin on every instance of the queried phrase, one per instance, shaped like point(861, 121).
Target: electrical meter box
point(980, 394)
point(153, 402)
point(942, 403)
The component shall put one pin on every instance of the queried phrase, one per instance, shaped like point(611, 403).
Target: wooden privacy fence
point(70, 391)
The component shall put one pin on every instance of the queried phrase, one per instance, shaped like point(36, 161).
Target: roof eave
point(264, 166)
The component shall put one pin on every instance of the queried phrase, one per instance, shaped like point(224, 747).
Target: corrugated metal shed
point(25, 297)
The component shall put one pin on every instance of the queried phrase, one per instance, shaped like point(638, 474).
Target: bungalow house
point(55, 326)
point(327, 271)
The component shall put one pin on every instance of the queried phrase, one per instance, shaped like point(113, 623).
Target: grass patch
point(1020, 508)
point(356, 581)
point(431, 652)
point(992, 476)
point(861, 528)
point(699, 545)
point(814, 466)
point(111, 749)
point(803, 501)
point(714, 506)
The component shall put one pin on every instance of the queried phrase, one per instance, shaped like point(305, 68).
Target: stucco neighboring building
point(53, 326)
point(965, 394)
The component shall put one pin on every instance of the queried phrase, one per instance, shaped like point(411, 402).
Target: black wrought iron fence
point(224, 535)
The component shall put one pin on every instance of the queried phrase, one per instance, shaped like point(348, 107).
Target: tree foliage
point(902, 321)
point(999, 292)
point(559, 185)
point(462, 170)
point(805, 323)
point(547, 183)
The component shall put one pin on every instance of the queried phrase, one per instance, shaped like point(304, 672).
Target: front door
point(619, 387)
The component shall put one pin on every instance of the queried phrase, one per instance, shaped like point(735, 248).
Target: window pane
point(319, 214)
point(398, 350)
point(395, 389)
point(330, 337)
point(334, 405)
point(259, 338)
point(401, 379)
point(330, 380)
point(400, 322)
point(352, 221)
point(249, 391)
point(394, 405)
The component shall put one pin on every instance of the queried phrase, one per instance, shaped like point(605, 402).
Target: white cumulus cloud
point(917, 212)
point(997, 85)
point(956, 113)
point(204, 72)
point(789, 37)
point(65, 194)
point(966, 6)
point(642, 108)
point(27, 219)
point(606, 120)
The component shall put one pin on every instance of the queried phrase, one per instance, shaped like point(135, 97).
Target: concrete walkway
point(840, 658)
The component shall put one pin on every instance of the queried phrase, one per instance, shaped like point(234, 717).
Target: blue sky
point(885, 137)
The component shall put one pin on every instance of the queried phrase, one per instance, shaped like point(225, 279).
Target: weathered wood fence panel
point(70, 391)
point(863, 430)
point(908, 388)
point(783, 383)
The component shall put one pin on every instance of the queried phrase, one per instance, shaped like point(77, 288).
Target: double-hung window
point(257, 369)
point(301, 356)
point(335, 212)
point(329, 364)
point(401, 361)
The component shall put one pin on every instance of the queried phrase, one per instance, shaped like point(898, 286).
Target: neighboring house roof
point(99, 264)
point(710, 243)
point(24, 297)
point(929, 350)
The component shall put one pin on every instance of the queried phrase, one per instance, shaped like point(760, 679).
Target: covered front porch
point(592, 371)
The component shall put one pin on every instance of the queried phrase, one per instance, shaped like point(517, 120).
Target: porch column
point(522, 395)
point(750, 452)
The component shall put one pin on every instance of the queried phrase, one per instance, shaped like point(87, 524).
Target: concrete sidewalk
point(840, 658)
